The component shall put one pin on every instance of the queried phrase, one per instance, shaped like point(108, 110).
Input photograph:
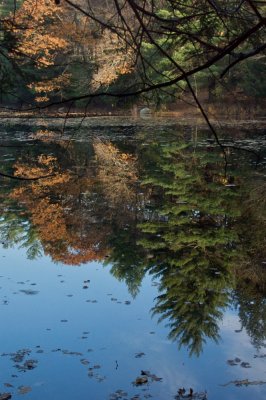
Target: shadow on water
point(156, 205)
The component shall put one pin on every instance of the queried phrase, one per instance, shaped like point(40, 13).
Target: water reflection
point(145, 207)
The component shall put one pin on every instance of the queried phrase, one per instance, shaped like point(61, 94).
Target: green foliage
point(191, 243)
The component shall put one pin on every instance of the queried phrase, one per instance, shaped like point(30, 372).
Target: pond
point(133, 261)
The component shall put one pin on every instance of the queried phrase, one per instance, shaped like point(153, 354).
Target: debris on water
point(139, 355)
point(152, 333)
point(153, 377)
point(8, 385)
point(259, 355)
point(24, 389)
point(119, 394)
point(18, 356)
point(244, 382)
point(141, 380)
point(84, 361)
point(5, 396)
point(71, 353)
point(232, 362)
point(245, 365)
point(92, 374)
point(190, 394)
point(237, 361)
point(29, 292)
point(27, 365)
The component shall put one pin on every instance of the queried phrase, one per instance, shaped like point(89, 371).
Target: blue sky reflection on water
point(60, 315)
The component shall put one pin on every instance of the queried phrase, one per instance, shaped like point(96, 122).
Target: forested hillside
point(151, 52)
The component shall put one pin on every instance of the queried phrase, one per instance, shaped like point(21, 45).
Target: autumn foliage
point(57, 41)
point(65, 232)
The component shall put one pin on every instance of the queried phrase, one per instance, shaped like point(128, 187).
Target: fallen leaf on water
point(244, 382)
point(141, 380)
point(5, 396)
point(24, 389)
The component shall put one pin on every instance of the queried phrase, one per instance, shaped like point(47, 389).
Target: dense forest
point(119, 53)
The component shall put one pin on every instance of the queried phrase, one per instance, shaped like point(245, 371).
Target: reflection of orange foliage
point(117, 172)
point(65, 232)
point(45, 135)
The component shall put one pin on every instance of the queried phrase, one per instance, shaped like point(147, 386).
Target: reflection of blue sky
point(117, 333)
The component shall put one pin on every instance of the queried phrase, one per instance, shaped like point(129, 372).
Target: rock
point(145, 113)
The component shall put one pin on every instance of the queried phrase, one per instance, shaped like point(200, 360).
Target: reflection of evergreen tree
point(190, 238)
point(175, 223)
point(127, 258)
point(15, 230)
point(251, 305)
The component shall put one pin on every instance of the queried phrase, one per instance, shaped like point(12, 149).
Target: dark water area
point(132, 262)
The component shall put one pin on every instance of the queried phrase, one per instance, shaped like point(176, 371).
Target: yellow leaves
point(112, 58)
point(38, 27)
point(50, 85)
point(59, 224)
point(45, 166)
point(46, 160)
point(117, 172)
point(45, 87)
point(48, 35)
point(41, 99)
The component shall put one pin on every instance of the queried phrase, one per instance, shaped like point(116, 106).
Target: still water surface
point(134, 268)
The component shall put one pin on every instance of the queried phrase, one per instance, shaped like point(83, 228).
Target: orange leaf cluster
point(61, 230)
